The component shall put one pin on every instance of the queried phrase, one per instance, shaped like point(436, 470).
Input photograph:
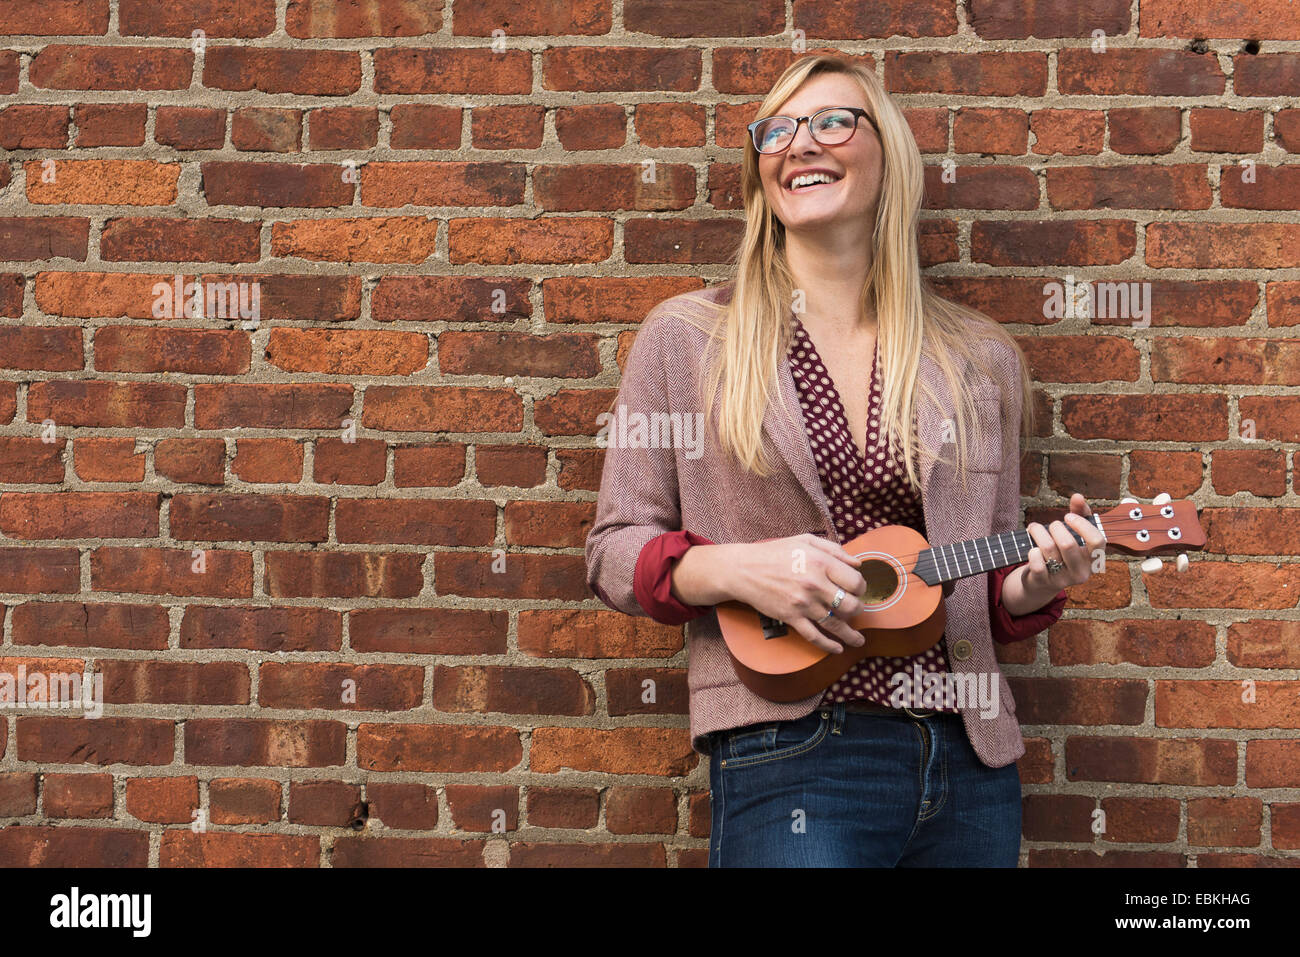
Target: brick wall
point(327, 554)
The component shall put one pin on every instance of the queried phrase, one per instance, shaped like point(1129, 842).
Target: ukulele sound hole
point(882, 580)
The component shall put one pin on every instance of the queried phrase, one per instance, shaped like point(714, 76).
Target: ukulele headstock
point(1162, 526)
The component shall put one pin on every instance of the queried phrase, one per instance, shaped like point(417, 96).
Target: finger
point(850, 579)
point(1091, 534)
point(1043, 539)
point(838, 623)
point(1073, 557)
point(814, 637)
point(833, 549)
point(1079, 505)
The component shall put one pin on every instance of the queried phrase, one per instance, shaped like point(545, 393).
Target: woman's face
point(856, 165)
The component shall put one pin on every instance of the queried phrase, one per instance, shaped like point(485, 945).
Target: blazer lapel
point(790, 438)
point(935, 504)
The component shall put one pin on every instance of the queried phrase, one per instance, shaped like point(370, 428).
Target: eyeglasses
point(829, 127)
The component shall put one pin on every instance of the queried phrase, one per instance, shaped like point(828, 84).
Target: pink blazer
point(646, 491)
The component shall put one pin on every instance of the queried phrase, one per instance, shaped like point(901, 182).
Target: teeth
point(811, 178)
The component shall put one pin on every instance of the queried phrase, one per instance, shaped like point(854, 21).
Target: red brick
point(1007, 20)
point(268, 460)
point(183, 848)
point(199, 461)
point(1271, 19)
point(171, 800)
point(324, 803)
point(110, 124)
point(180, 240)
point(344, 128)
point(1068, 132)
point(216, 18)
point(91, 625)
point(99, 182)
point(270, 70)
point(407, 806)
point(365, 18)
point(266, 130)
point(78, 795)
point(513, 126)
point(378, 239)
point(261, 628)
point(244, 801)
point(1222, 130)
point(443, 184)
point(275, 184)
point(1258, 471)
point(49, 18)
point(63, 67)
point(981, 74)
point(361, 462)
point(591, 126)
point(492, 809)
point(190, 127)
point(43, 237)
point(1139, 71)
point(25, 846)
point(25, 126)
point(108, 459)
point(480, 72)
point(425, 126)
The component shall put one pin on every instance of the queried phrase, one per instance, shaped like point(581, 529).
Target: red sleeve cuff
point(652, 581)
point(1007, 627)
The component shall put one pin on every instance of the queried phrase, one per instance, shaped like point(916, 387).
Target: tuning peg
point(1182, 562)
point(1152, 564)
point(1126, 501)
point(1161, 499)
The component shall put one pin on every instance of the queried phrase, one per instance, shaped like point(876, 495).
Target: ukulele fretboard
point(945, 563)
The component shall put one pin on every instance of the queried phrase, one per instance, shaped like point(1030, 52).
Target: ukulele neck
point(945, 563)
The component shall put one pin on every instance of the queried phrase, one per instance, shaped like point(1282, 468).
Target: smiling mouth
point(810, 186)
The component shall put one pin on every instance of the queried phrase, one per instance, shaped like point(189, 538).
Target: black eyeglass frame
point(857, 111)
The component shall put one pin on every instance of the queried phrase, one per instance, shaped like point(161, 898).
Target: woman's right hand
point(795, 580)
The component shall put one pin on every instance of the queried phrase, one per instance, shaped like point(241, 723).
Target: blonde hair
point(912, 318)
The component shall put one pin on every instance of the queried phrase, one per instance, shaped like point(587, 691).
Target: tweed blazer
point(656, 488)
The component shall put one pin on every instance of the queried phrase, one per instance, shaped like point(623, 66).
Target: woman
point(887, 389)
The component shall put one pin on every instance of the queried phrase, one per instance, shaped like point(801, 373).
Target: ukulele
point(904, 596)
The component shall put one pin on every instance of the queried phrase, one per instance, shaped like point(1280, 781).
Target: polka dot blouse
point(863, 493)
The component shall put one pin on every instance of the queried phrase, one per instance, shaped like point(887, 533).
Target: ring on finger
point(1054, 565)
point(839, 597)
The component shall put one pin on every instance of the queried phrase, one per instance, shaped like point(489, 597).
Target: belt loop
point(837, 717)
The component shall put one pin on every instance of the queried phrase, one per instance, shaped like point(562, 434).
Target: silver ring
point(839, 597)
point(1054, 566)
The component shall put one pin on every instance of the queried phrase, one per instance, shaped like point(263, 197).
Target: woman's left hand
point(1055, 541)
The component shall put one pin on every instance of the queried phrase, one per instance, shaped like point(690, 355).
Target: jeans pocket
point(770, 741)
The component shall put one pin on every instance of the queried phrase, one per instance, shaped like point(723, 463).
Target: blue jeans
point(839, 788)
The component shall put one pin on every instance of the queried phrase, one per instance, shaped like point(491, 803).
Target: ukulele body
point(903, 617)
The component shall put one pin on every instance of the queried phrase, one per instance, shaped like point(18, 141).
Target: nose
point(803, 138)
